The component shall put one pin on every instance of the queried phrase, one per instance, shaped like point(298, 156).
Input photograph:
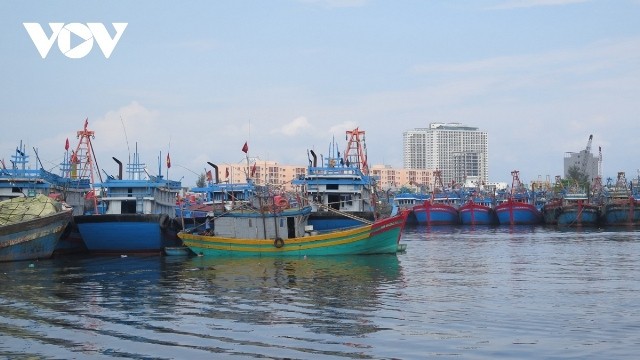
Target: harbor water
point(456, 293)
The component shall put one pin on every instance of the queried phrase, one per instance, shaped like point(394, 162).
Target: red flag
point(245, 148)
point(86, 123)
point(66, 144)
point(168, 161)
point(227, 173)
point(253, 170)
point(209, 176)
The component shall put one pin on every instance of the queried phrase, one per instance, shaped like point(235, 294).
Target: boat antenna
point(35, 151)
point(126, 138)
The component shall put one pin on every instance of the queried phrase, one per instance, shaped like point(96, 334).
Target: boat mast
point(82, 159)
point(356, 150)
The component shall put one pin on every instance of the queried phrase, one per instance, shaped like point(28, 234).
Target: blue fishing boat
point(577, 209)
point(442, 206)
point(133, 214)
point(340, 190)
point(516, 207)
point(30, 227)
point(621, 204)
point(478, 210)
point(407, 201)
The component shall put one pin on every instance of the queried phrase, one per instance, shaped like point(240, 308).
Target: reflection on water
point(211, 305)
point(464, 292)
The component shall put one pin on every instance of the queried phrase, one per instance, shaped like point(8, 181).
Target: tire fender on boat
point(278, 242)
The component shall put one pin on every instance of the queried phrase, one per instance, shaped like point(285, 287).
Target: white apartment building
point(414, 143)
point(458, 151)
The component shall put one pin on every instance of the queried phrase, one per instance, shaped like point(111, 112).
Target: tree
point(576, 176)
point(405, 190)
point(201, 182)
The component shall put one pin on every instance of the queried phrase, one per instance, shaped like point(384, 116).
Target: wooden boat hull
point(127, 232)
point(579, 215)
point(382, 237)
point(473, 213)
point(622, 213)
point(551, 211)
point(517, 213)
point(435, 214)
point(33, 239)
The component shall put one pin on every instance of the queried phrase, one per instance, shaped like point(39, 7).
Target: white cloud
point(295, 127)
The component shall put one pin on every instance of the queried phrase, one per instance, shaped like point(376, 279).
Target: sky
point(197, 79)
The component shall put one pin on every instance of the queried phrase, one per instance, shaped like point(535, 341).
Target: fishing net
point(21, 209)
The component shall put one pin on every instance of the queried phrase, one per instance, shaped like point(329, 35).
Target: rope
point(351, 216)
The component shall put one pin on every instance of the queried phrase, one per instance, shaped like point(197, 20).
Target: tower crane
point(587, 151)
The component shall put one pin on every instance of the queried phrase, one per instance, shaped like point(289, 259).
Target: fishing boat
point(552, 204)
point(340, 190)
point(22, 179)
point(30, 227)
point(477, 205)
point(577, 210)
point(407, 201)
point(621, 205)
point(478, 210)
point(516, 207)
point(551, 211)
point(441, 207)
point(266, 228)
point(132, 214)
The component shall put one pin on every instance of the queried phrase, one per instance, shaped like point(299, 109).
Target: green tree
point(405, 189)
point(201, 182)
point(577, 176)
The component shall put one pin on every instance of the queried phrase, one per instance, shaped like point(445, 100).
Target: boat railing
point(20, 174)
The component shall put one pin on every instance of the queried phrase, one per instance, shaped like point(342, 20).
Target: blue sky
point(200, 78)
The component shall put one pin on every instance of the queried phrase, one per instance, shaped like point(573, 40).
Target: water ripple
point(485, 292)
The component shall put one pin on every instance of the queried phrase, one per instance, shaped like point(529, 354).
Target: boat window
point(332, 186)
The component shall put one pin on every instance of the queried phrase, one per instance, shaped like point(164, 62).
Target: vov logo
point(62, 32)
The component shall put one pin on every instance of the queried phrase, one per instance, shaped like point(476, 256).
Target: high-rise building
point(414, 143)
point(458, 151)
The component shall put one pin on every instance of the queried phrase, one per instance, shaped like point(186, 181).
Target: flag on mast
point(66, 144)
point(245, 148)
point(168, 161)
